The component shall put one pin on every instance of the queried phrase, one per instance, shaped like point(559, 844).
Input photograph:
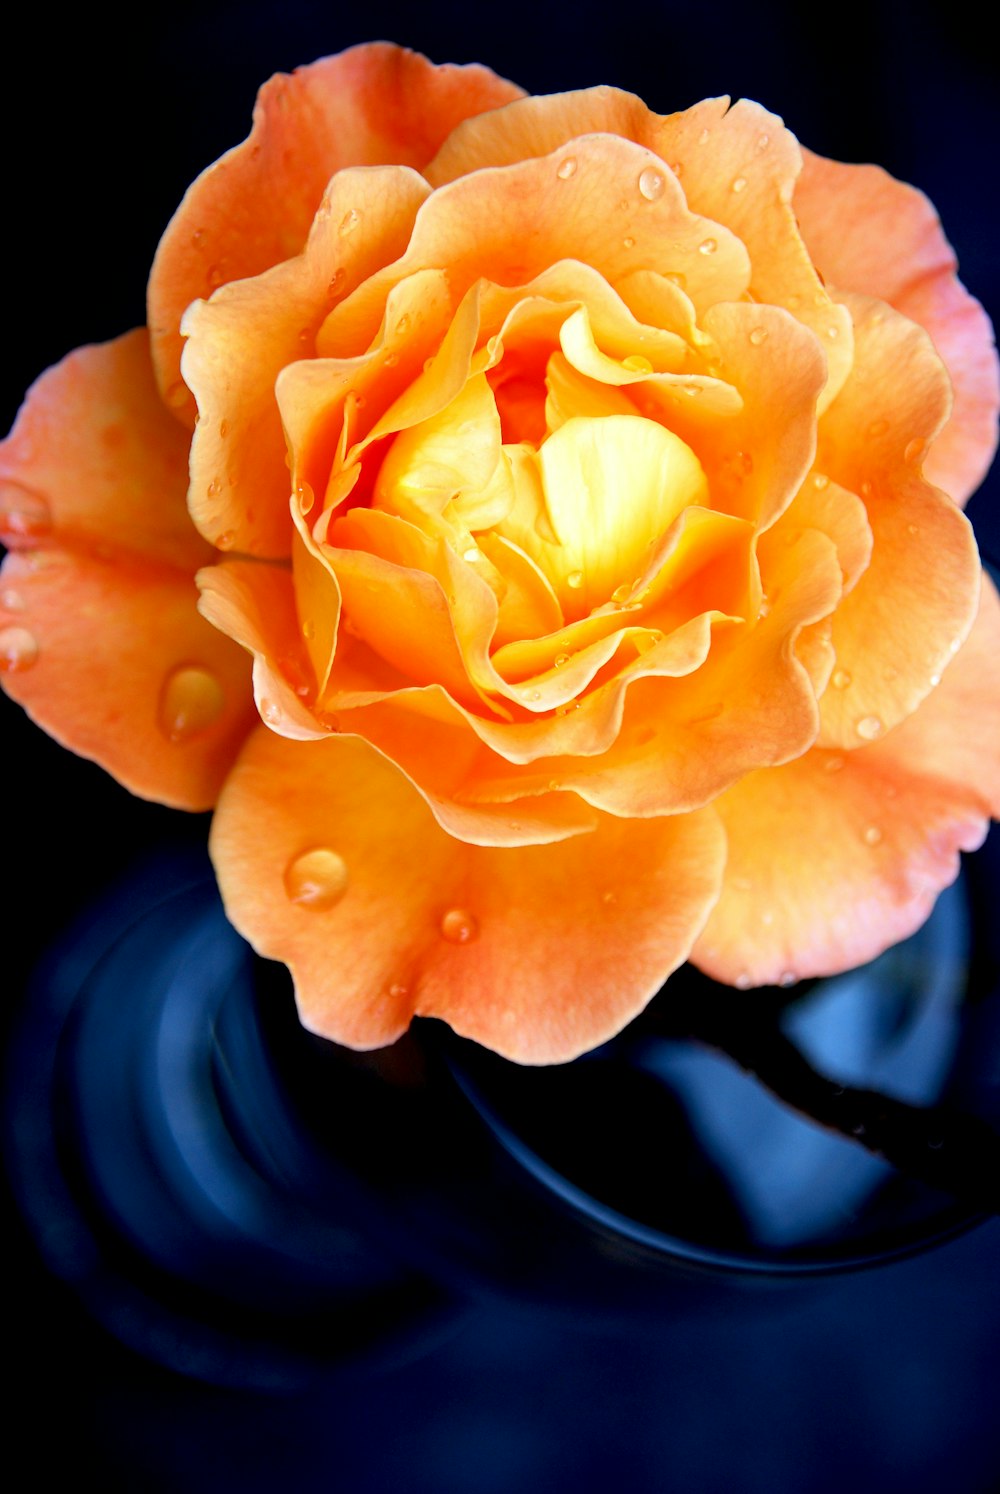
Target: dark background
point(889, 1381)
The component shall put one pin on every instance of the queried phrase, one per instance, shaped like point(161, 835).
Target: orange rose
point(600, 559)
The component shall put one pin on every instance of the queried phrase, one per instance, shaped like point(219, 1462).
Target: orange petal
point(329, 861)
point(255, 606)
point(372, 105)
point(398, 605)
point(835, 857)
point(94, 458)
point(825, 505)
point(758, 460)
point(240, 340)
point(897, 251)
point(121, 669)
point(917, 597)
point(100, 635)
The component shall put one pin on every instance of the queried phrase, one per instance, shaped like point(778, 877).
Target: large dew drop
point(18, 650)
point(651, 184)
point(192, 700)
point(869, 727)
point(459, 926)
point(316, 879)
point(25, 516)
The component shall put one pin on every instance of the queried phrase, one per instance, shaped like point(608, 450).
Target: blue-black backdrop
point(893, 1384)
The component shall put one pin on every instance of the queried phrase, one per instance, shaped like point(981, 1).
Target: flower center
point(587, 505)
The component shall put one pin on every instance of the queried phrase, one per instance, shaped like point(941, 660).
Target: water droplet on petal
point(833, 764)
point(223, 429)
point(763, 141)
point(191, 701)
point(566, 168)
point(869, 727)
point(935, 680)
point(18, 650)
point(787, 978)
point(821, 481)
point(336, 281)
point(740, 184)
point(472, 553)
point(197, 238)
point(865, 489)
point(11, 600)
point(459, 926)
point(758, 335)
point(226, 540)
point(872, 835)
point(621, 593)
point(316, 879)
point(560, 661)
point(840, 679)
point(743, 981)
point(214, 488)
point(308, 628)
point(270, 711)
point(651, 184)
point(645, 642)
point(708, 246)
point(636, 363)
point(914, 450)
point(704, 137)
point(628, 242)
point(24, 514)
point(349, 222)
point(574, 580)
point(402, 326)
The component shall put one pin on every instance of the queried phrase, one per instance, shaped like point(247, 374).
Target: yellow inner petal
point(610, 487)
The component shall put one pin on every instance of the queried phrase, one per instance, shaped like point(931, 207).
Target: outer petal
point(918, 595)
point(93, 458)
point(896, 250)
point(240, 340)
point(372, 105)
point(527, 950)
point(99, 628)
point(833, 858)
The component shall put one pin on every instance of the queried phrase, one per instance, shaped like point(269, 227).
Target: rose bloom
point(573, 497)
